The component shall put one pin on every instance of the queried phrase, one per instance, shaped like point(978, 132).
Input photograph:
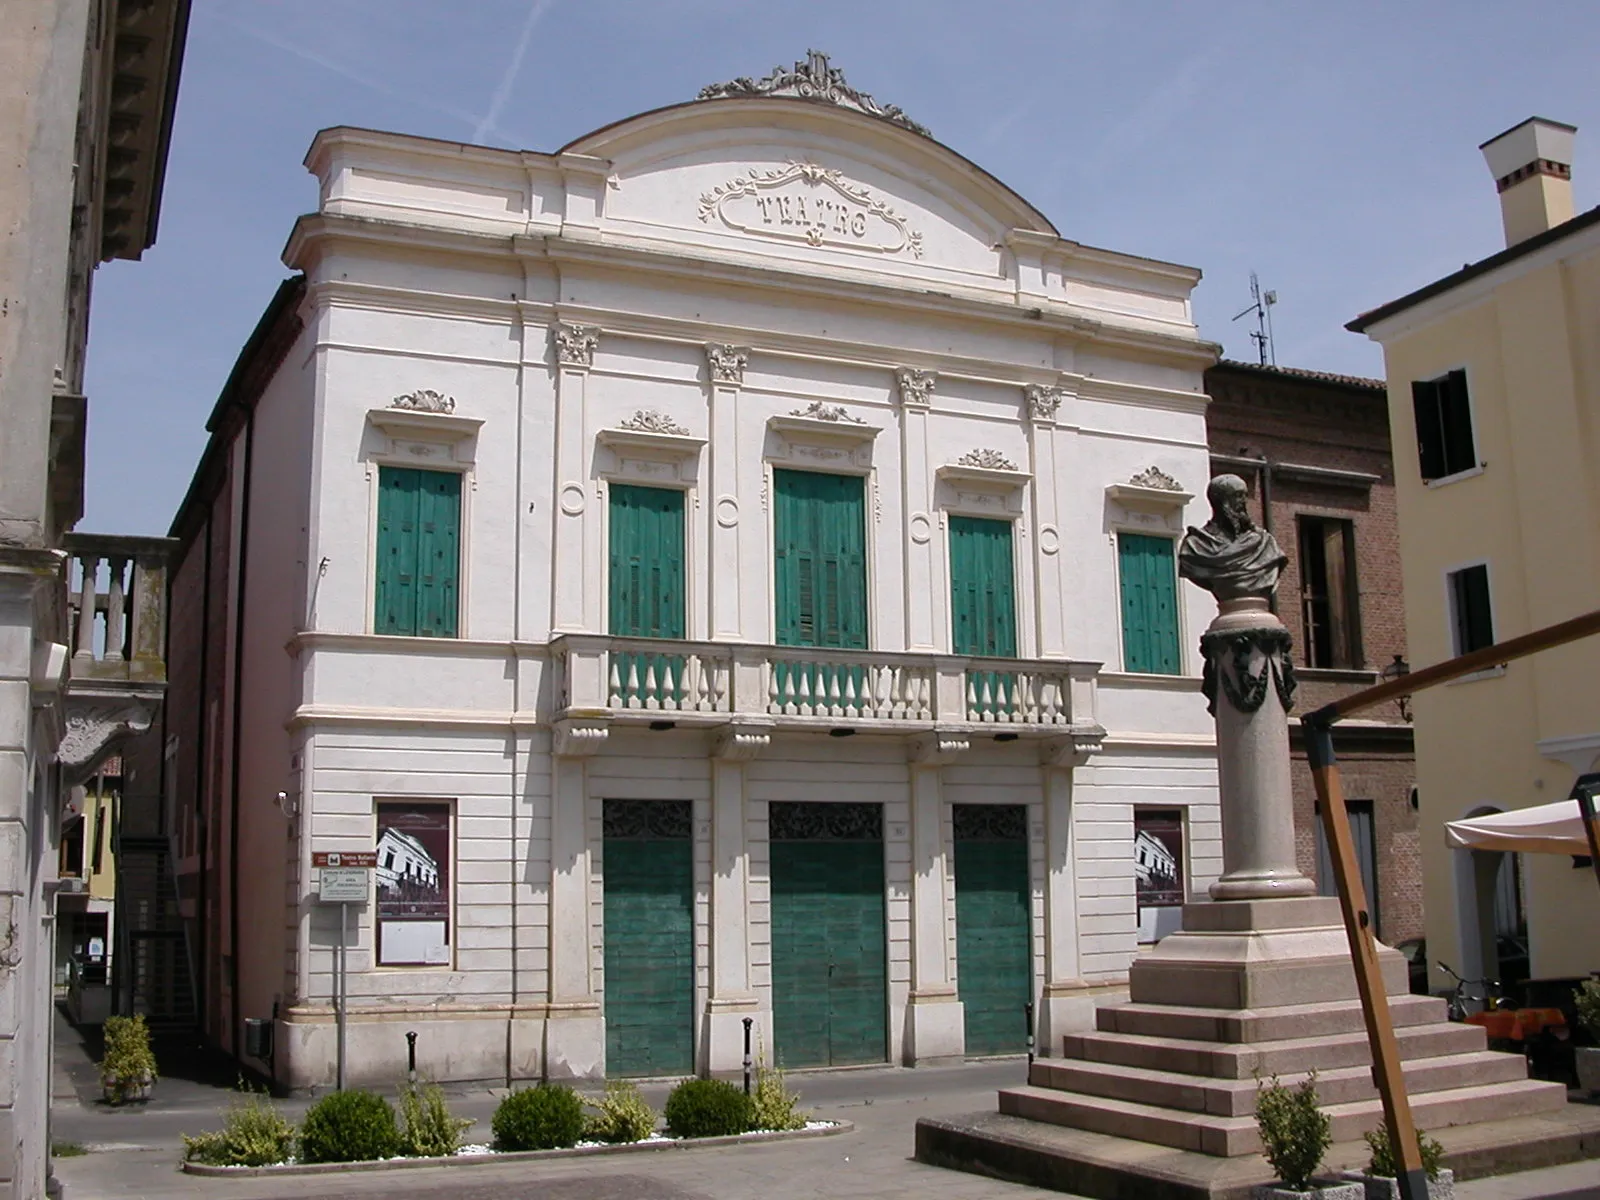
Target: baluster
point(87, 603)
point(850, 707)
point(834, 707)
point(633, 681)
point(775, 680)
point(652, 689)
point(116, 612)
point(972, 697)
point(693, 693)
point(924, 692)
point(989, 682)
point(803, 702)
point(882, 680)
point(614, 686)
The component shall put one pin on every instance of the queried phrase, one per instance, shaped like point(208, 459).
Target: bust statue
point(1232, 556)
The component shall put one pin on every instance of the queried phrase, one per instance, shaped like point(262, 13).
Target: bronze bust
point(1232, 556)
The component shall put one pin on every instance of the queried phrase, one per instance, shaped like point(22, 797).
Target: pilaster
point(935, 1016)
point(574, 1036)
point(916, 396)
point(733, 996)
point(1043, 404)
point(574, 350)
point(725, 369)
point(1067, 1006)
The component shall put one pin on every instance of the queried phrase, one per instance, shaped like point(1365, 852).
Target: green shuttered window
point(1149, 604)
point(647, 589)
point(983, 588)
point(821, 560)
point(419, 552)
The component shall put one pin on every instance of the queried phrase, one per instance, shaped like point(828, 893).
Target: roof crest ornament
point(425, 400)
point(813, 79)
point(1155, 477)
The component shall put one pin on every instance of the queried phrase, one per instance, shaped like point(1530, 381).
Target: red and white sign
point(344, 858)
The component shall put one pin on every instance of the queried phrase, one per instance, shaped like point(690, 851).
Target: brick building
point(1314, 449)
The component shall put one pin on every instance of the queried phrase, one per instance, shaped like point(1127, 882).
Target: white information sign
point(343, 885)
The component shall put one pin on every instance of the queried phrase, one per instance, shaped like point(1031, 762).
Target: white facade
point(691, 299)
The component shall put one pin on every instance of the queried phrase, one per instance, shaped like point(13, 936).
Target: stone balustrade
point(705, 683)
point(117, 604)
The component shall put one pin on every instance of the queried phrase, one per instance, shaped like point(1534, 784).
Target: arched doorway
point(1490, 913)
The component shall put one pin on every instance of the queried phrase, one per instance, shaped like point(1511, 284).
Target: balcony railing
point(710, 683)
point(117, 605)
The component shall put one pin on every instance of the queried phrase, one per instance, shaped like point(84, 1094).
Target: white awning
point(1546, 829)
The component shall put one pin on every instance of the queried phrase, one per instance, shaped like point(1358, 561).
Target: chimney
point(1532, 168)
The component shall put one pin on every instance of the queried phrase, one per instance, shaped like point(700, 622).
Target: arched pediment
point(801, 181)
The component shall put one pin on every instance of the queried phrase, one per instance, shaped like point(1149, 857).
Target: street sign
point(343, 885)
point(344, 858)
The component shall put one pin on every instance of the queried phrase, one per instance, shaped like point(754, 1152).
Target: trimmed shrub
point(1383, 1161)
point(539, 1118)
point(773, 1103)
point(129, 1066)
point(622, 1116)
point(253, 1134)
point(1294, 1131)
point(708, 1108)
point(1587, 1001)
point(428, 1128)
point(351, 1126)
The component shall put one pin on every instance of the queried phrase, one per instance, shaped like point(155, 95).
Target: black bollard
point(1030, 1032)
point(748, 1021)
point(411, 1057)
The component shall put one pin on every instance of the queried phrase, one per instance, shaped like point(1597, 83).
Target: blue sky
point(1332, 147)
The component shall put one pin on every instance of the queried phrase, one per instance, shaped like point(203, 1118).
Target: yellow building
point(1494, 402)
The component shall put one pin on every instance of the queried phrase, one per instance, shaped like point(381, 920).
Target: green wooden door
point(829, 962)
point(646, 590)
point(1149, 604)
point(994, 951)
point(419, 552)
point(983, 606)
point(648, 867)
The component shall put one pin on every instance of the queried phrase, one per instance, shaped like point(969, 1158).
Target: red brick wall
point(1294, 418)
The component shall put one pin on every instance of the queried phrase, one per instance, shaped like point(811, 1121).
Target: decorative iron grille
point(798, 821)
point(640, 819)
point(990, 822)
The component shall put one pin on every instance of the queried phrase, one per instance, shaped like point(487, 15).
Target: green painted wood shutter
point(1149, 604)
point(982, 588)
point(419, 552)
point(820, 564)
point(1445, 445)
point(647, 571)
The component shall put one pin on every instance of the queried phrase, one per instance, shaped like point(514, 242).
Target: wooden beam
point(1386, 1066)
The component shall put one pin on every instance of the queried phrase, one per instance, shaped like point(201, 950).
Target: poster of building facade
point(1158, 871)
point(413, 878)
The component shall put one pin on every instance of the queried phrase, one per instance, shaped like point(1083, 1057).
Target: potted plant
point(128, 1070)
point(1379, 1179)
point(1587, 999)
point(1294, 1137)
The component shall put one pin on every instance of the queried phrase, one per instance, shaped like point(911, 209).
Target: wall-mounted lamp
point(1398, 669)
point(289, 804)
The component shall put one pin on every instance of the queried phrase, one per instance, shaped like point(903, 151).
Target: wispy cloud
point(503, 93)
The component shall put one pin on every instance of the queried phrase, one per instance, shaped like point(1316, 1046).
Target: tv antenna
point(1261, 305)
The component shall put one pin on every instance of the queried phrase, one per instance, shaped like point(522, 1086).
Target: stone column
point(1249, 685)
point(1066, 1005)
point(725, 365)
point(571, 609)
point(935, 1017)
point(575, 1035)
point(732, 995)
point(916, 394)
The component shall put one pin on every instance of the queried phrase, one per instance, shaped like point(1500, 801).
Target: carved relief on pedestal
point(1243, 663)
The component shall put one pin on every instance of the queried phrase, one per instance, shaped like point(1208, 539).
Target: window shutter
point(647, 562)
point(1474, 614)
point(1149, 604)
point(1427, 406)
point(438, 552)
point(820, 564)
point(1460, 454)
point(982, 587)
point(396, 593)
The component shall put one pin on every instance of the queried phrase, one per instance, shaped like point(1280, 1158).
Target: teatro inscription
point(805, 202)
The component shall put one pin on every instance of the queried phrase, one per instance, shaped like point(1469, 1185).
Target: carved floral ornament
point(989, 460)
point(727, 362)
point(1043, 401)
point(916, 387)
point(1155, 477)
point(425, 400)
point(805, 202)
point(818, 411)
point(812, 78)
point(650, 420)
point(575, 344)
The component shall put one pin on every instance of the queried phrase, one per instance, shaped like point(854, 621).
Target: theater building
point(723, 569)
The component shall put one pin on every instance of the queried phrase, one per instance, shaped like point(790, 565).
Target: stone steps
point(1289, 1022)
point(1230, 1136)
point(1193, 1056)
point(1237, 1098)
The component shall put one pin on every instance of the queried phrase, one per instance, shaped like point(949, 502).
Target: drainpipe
point(202, 973)
point(243, 559)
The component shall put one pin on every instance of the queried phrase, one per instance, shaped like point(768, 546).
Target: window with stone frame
point(1330, 610)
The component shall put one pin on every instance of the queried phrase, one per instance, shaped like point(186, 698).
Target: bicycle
point(1493, 996)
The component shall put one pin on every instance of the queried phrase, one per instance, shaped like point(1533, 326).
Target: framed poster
point(413, 883)
point(1158, 871)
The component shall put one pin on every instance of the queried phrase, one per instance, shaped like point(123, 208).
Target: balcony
point(116, 669)
point(602, 680)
